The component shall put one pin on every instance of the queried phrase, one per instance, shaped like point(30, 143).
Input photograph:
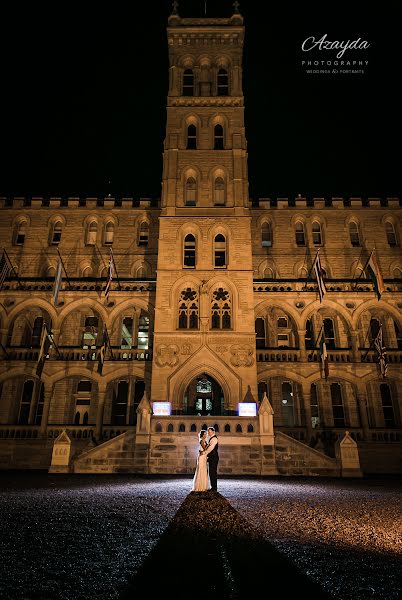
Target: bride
point(201, 477)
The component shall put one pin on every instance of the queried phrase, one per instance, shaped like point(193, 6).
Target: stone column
point(99, 414)
point(46, 408)
point(362, 403)
point(307, 413)
point(354, 336)
point(302, 344)
point(130, 400)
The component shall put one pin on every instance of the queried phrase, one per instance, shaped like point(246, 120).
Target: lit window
point(266, 235)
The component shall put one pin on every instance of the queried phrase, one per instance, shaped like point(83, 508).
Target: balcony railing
point(75, 353)
point(393, 355)
point(332, 285)
point(78, 284)
point(336, 355)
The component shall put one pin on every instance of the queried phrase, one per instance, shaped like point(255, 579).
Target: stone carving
point(186, 349)
point(166, 356)
point(221, 349)
point(242, 356)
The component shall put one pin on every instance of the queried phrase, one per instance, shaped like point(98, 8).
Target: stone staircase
point(114, 456)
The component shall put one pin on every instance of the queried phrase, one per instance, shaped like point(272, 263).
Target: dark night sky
point(83, 99)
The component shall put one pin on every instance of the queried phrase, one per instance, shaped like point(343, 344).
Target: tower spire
point(175, 8)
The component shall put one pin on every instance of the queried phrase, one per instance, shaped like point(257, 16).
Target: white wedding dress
point(201, 477)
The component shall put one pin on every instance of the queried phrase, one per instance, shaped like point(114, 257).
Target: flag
point(57, 282)
point(110, 274)
point(318, 270)
point(45, 343)
point(324, 355)
point(4, 269)
point(102, 352)
point(375, 275)
point(381, 352)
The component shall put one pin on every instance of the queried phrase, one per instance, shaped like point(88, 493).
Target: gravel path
point(109, 538)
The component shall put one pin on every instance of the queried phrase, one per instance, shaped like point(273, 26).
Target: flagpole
point(64, 268)
point(358, 260)
point(318, 338)
point(114, 262)
point(312, 266)
point(14, 271)
point(108, 341)
point(364, 268)
point(54, 344)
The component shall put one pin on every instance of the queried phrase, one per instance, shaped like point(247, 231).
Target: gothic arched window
point(220, 258)
point(219, 191)
point(191, 137)
point(221, 309)
point(56, 233)
point(387, 405)
point(191, 192)
point(266, 235)
point(317, 236)
point(354, 234)
point(109, 233)
point(92, 233)
point(299, 232)
point(188, 83)
point(188, 309)
point(338, 410)
point(391, 235)
point(143, 234)
point(20, 233)
point(189, 257)
point(329, 333)
point(218, 137)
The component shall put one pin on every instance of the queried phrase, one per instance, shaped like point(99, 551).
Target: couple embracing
point(207, 462)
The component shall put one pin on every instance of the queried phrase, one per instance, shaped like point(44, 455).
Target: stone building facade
point(212, 304)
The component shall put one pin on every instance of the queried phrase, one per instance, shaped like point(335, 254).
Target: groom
point(213, 458)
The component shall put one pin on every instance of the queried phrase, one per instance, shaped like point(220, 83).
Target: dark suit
point(213, 459)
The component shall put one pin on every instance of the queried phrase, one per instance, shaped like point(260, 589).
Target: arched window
point(268, 273)
point(119, 403)
point(219, 191)
point(218, 137)
point(188, 83)
point(266, 235)
point(374, 328)
point(309, 336)
point(239, 428)
point(25, 404)
point(391, 235)
point(37, 332)
point(127, 328)
point(221, 310)
point(189, 251)
point(302, 273)
point(92, 233)
point(397, 273)
point(86, 272)
point(314, 407)
point(260, 332)
point(191, 137)
point(20, 233)
point(143, 234)
point(354, 234)
point(317, 237)
point(223, 83)
point(90, 332)
point(329, 333)
point(51, 271)
point(143, 332)
point(219, 251)
point(109, 233)
point(85, 419)
point(287, 404)
point(299, 231)
point(158, 428)
point(77, 418)
point(188, 309)
point(227, 428)
point(338, 411)
point(56, 233)
point(182, 428)
point(387, 405)
point(170, 428)
point(191, 192)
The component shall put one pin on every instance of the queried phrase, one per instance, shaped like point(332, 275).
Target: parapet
point(299, 202)
point(76, 202)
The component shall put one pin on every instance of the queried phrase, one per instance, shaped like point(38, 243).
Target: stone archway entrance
point(204, 396)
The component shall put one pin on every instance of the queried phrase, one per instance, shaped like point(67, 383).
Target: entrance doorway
point(204, 396)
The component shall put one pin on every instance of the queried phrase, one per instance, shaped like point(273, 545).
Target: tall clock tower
point(204, 341)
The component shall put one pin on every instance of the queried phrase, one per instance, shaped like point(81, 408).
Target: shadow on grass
point(210, 551)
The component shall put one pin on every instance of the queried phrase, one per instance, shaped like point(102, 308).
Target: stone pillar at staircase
point(267, 438)
point(347, 453)
point(143, 436)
